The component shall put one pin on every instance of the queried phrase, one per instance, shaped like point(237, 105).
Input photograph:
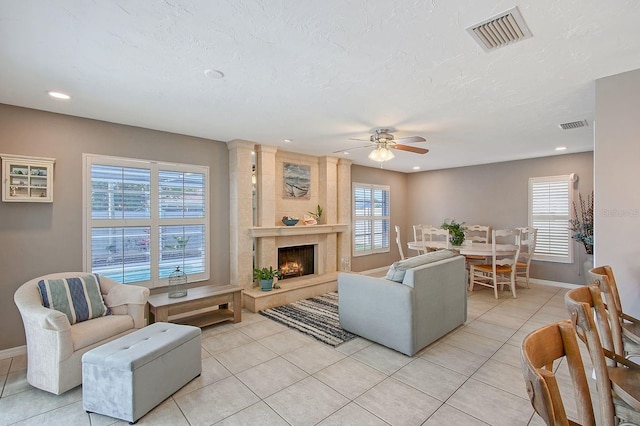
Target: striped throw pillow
point(79, 298)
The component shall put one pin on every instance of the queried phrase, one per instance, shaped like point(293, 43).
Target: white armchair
point(55, 347)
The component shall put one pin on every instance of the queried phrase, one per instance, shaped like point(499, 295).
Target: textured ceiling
point(322, 72)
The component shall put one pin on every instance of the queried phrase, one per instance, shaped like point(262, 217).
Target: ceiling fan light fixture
point(381, 154)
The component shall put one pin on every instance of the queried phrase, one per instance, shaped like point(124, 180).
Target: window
point(550, 201)
point(145, 218)
point(370, 219)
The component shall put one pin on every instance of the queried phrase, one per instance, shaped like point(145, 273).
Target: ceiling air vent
point(573, 125)
point(506, 28)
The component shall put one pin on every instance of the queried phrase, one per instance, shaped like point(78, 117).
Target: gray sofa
point(420, 300)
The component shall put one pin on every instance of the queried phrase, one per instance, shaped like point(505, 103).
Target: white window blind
point(550, 201)
point(370, 219)
point(144, 218)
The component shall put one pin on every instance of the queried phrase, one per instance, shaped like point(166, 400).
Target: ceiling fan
point(383, 140)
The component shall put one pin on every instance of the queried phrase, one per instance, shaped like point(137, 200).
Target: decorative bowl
point(290, 222)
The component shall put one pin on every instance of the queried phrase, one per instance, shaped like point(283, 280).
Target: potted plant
point(456, 231)
point(266, 276)
point(317, 214)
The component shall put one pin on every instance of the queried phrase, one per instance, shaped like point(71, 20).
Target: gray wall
point(497, 195)
point(398, 190)
point(617, 199)
point(490, 194)
point(38, 239)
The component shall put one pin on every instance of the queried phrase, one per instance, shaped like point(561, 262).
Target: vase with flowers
point(582, 227)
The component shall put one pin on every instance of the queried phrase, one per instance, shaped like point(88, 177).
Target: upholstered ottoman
point(129, 376)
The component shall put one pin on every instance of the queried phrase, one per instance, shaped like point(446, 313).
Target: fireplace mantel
point(285, 231)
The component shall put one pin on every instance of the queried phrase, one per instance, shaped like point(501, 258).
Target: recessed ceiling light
point(214, 74)
point(416, 167)
point(59, 95)
point(561, 148)
point(287, 140)
point(345, 152)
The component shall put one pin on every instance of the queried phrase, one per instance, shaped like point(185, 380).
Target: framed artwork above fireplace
point(297, 181)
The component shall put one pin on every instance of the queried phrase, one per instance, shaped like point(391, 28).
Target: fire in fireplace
point(296, 261)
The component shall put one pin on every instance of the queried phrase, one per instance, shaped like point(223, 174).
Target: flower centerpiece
point(582, 224)
point(456, 231)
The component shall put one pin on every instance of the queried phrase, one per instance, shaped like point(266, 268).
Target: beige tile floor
point(259, 372)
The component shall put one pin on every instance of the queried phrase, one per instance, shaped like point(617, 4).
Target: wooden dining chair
point(528, 236)
point(477, 234)
point(625, 329)
point(397, 228)
point(617, 379)
point(502, 269)
point(539, 350)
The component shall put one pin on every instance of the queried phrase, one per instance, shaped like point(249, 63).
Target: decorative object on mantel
point(582, 228)
point(297, 181)
point(456, 231)
point(316, 317)
point(309, 220)
point(317, 214)
point(266, 276)
point(290, 221)
point(177, 283)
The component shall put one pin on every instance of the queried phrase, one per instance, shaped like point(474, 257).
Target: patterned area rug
point(316, 317)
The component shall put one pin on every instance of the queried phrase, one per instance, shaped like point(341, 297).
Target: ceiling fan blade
point(355, 147)
point(357, 139)
point(411, 139)
point(408, 148)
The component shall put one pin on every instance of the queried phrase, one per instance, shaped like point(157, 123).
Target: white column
point(266, 251)
point(344, 211)
point(241, 212)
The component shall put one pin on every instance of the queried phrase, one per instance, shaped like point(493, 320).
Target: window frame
point(154, 222)
point(547, 256)
point(372, 218)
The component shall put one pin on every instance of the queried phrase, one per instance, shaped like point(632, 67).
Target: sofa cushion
point(398, 269)
point(79, 298)
point(88, 333)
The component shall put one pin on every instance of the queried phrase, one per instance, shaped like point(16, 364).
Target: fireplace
point(296, 261)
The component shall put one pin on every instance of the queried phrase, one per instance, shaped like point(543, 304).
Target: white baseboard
point(11, 352)
point(554, 283)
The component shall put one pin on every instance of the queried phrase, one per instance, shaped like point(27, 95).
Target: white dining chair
point(399, 242)
point(502, 269)
point(528, 237)
point(418, 237)
point(477, 234)
point(439, 235)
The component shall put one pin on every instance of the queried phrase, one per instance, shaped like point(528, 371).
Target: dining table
point(467, 248)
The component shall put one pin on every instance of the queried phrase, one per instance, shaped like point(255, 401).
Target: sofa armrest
point(126, 299)
point(47, 331)
point(126, 294)
point(28, 301)
point(377, 309)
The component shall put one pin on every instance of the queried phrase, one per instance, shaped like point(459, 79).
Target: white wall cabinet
point(27, 179)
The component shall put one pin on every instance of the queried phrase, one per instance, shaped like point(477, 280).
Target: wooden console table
point(198, 307)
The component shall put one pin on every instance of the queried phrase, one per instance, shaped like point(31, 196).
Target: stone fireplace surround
point(330, 188)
